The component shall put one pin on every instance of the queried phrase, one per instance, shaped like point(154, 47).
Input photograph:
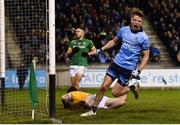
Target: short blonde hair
point(138, 12)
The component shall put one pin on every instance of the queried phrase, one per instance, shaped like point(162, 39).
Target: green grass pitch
point(154, 106)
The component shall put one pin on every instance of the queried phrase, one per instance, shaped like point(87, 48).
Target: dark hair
point(138, 12)
point(66, 104)
point(80, 27)
point(71, 89)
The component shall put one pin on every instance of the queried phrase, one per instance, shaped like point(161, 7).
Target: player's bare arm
point(110, 44)
point(92, 51)
point(69, 51)
point(144, 59)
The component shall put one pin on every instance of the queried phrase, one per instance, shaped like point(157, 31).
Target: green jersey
point(84, 45)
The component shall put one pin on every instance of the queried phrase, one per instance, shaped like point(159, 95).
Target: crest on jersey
point(135, 39)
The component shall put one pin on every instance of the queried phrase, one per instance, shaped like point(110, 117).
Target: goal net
point(25, 45)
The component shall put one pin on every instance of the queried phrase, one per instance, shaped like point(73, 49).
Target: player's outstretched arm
point(69, 51)
point(92, 51)
point(110, 44)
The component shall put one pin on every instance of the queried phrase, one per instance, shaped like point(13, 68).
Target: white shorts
point(77, 69)
point(102, 104)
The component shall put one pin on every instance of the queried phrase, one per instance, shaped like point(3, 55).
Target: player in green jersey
point(79, 50)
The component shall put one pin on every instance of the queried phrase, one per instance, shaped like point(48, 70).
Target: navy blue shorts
point(115, 71)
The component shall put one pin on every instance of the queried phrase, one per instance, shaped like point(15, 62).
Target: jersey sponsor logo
point(128, 46)
point(84, 43)
point(82, 46)
point(12, 79)
point(136, 40)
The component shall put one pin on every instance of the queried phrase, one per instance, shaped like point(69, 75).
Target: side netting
point(24, 96)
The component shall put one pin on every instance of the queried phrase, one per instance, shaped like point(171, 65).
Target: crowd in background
point(164, 16)
point(101, 18)
point(28, 21)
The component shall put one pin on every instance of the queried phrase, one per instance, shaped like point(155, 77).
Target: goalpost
point(27, 32)
point(2, 55)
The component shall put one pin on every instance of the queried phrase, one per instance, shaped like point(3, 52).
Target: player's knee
point(115, 94)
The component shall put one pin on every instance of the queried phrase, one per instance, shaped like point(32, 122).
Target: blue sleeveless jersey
point(132, 46)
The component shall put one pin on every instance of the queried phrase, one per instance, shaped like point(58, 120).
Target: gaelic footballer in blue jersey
point(125, 65)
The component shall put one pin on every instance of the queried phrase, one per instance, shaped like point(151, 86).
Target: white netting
point(25, 39)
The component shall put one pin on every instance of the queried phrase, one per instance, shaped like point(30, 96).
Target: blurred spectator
point(103, 58)
point(22, 73)
point(154, 54)
point(178, 58)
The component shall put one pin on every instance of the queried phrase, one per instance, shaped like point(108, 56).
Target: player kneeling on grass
point(125, 65)
point(78, 99)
